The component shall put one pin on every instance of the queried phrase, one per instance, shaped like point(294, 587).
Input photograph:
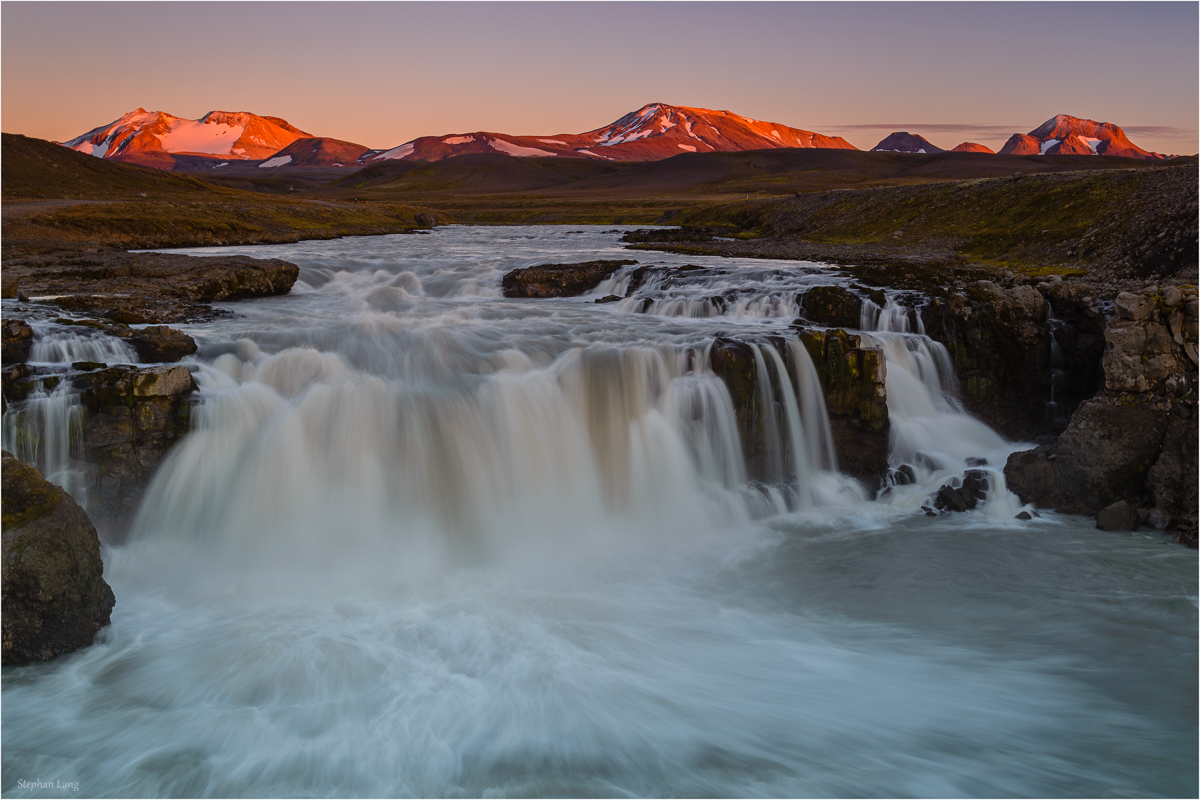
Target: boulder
point(834, 306)
point(158, 343)
point(55, 597)
point(1120, 516)
point(1104, 455)
point(950, 498)
point(559, 280)
point(17, 341)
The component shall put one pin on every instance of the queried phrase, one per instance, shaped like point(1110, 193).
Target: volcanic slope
point(655, 131)
point(153, 138)
point(1067, 135)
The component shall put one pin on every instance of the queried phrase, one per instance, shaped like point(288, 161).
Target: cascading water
point(425, 541)
point(55, 343)
point(929, 430)
point(46, 430)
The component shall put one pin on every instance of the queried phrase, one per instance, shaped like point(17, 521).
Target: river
point(424, 540)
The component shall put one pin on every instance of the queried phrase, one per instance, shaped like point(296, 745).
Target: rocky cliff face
point(1024, 356)
point(1137, 441)
point(55, 598)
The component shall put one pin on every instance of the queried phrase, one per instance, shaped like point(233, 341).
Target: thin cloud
point(935, 127)
point(1158, 130)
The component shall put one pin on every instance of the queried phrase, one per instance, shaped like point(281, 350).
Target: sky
point(380, 73)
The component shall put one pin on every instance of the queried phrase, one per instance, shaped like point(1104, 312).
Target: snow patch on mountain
point(508, 148)
point(458, 139)
point(278, 161)
point(396, 152)
point(193, 136)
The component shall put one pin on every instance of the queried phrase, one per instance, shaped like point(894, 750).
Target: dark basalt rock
point(1120, 516)
point(951, 498)
point(1137, 441)
point(684, 234)
point(16, 341)
point(159, 343)
point(831, 305)
point(609, 298)
point(148, 288)
point(853, 378)
point(734, 363)
point(55, 597)
point(559, 280)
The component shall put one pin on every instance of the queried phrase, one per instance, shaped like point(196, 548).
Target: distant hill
point(37, 169)
point(686, 176)
point(972, 147)
point(317, 151)
point(1067, 135)
point(903, 142)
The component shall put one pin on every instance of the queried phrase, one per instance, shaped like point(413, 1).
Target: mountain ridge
point(654, 132)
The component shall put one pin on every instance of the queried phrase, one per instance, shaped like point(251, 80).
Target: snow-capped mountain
point(653, 132)
point(1067, 135)
point(903, 142)
point(147, 137)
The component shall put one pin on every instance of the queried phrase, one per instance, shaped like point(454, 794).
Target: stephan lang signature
point(70, 785)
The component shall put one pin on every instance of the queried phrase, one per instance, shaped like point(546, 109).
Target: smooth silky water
point(424, 540)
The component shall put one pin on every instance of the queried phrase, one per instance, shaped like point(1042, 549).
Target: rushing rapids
point(426, 540)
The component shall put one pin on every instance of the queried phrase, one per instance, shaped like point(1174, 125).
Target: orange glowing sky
point(383, 73)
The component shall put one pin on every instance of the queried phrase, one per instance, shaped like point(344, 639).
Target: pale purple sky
point(382, 73)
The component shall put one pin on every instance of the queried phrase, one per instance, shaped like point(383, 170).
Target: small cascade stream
point(424, 540)
point(930, 433)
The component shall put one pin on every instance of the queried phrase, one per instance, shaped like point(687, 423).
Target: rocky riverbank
point(1132, 450)
point(140, 288)
point(55, 598)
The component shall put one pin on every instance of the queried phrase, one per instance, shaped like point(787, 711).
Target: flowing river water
point(425, 540)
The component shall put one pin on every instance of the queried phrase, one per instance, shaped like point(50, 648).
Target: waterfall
point(54, 344)
point(46, 430)
point(929, 430)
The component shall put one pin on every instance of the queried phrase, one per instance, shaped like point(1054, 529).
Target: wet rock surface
point(853, 379)
point(1137, 440)
point(158, 343)
point(559, 280)
point(140, 288)
point(17, 341)
point(133, 418)
point(834, 306)
point(55, 597)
